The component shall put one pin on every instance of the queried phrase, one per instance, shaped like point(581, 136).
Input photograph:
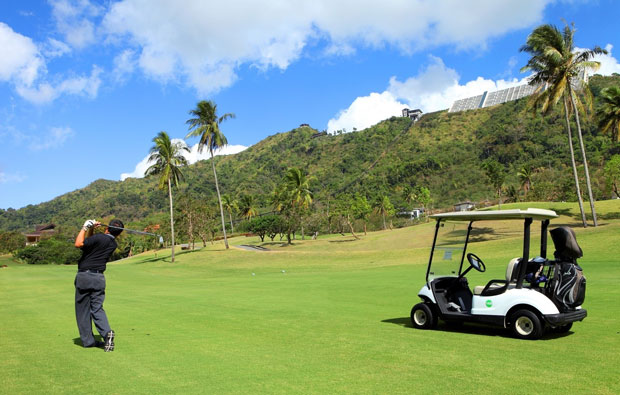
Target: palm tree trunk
point(499, 198)
point(219, 199)
point(384, 226)
point(572, 159)
point(585, 161)
point(171, 218)
point(231, 224)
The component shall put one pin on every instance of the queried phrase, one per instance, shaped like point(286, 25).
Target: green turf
point(335, 321)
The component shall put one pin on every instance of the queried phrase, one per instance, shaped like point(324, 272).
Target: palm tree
point(231, 206)
point(558, 66)
point(609, 113)
point(409, 194)
point(167, 158)
point(247, 206)
point(298, 188)
point(206, 125)
point(496, 177)
point(525, 179)
point(292, 196)
point(385, 208)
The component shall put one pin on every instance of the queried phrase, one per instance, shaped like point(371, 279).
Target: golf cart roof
point(534, 213)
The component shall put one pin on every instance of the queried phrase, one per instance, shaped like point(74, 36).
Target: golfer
point(90, 282)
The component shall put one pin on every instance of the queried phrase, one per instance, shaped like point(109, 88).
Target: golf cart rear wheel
point(526, 325)
point(423, 316)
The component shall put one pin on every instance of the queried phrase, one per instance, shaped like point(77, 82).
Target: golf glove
point(88, 224)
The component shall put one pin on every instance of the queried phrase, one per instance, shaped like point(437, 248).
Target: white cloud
point(366, 111)
point(124, 64)
point(6, 178)
point(20, 60)
point(54, 48)
point(434, 88)
point(23, 65)
point(54, 139)
point(73, 20)
point(202, 46)
point(609, 64)
point(193, 156)
point(80, 85)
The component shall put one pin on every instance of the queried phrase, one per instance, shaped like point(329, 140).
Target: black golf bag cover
point(568, 286)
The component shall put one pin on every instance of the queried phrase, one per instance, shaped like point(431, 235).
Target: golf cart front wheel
point(423, 316)
point(526, 325)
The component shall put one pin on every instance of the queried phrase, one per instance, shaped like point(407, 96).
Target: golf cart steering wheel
point(476, 262)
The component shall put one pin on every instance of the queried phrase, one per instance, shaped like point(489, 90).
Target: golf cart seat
point(496, 287)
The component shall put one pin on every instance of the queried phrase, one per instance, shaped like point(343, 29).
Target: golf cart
point(536, 294)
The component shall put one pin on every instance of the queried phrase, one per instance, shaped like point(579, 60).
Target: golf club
point(137, 232)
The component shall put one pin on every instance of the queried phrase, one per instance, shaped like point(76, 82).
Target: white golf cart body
point(446, 293)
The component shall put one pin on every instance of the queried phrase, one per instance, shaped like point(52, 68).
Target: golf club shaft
point(138, 232)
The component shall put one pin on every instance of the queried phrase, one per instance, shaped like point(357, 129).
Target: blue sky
point(86, 85)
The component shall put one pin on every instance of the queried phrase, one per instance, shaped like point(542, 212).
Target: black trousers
point(89, 297)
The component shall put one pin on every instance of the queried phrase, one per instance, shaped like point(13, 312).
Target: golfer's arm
point(79, 240)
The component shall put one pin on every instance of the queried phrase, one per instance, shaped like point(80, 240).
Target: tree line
point(306, 200)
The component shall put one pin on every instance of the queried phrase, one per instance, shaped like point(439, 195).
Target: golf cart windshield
point(448, 252)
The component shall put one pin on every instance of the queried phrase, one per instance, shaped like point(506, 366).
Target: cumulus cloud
point(124, 64)
point(609, 64)
point(193, 156)
point(20, 60)
point(74, 21)
point(55, 138)
point(203, 46)
point(54, 48)
point(435, 88)
point(6, 178)
point(366, 111)
point(45, 92)
point(22, 64)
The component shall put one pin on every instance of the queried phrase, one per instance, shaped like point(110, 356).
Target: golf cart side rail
point(534, 213)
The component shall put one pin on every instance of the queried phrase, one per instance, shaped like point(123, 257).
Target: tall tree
point(361, 209)
point(385, 208)
point(525, 179)
point(292, 197)
point(206, 125)
point(560, 68)
point(496, 175)
point(167, 158)
point(231, 206)
point(300, 195)
point(612, 173)
point(609, 113)
point(247, 206)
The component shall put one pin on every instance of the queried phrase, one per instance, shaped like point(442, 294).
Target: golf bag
point(568, 285)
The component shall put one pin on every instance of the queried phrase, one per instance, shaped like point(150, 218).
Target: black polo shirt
point(96, 251)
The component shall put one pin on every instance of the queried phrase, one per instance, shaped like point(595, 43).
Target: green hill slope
point(443, 151)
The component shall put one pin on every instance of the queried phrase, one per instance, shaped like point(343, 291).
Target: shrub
point(54, 251)
point(11, 242)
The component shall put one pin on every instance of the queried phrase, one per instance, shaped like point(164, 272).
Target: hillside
point(443, 151)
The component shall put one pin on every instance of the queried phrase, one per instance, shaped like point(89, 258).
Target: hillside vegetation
point(442, 152)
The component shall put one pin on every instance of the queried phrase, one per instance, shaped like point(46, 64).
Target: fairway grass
point(322, 316)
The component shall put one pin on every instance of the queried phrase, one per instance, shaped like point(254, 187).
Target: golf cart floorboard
point(496, 320)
